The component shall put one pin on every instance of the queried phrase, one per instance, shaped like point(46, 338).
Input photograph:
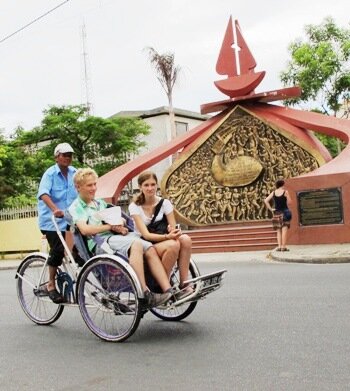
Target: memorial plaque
point(319, 207)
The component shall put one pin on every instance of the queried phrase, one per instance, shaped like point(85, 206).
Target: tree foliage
point(97, 142)
point(15, 174)
point(321, 67)
point(92, 138)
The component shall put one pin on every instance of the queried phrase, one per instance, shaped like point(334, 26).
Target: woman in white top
point(172, 246)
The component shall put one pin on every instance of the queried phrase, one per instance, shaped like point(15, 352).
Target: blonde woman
point(172, 246)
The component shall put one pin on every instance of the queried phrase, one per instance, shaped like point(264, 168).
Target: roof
point(161, 111)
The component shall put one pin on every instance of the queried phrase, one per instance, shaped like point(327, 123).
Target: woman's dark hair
point(144, 176)
point(279, 183)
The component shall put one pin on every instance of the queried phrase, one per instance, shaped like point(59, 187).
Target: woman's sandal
point(184, 291)
point(285, 249)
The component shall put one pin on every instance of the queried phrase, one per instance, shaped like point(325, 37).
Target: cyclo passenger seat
point(80, 251)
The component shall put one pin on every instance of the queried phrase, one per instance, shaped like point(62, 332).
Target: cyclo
point(104, 287)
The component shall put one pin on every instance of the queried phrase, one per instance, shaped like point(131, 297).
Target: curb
point(314, 259)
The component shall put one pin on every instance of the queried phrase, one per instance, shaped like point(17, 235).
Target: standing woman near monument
point(172, 246)
point(281, 213)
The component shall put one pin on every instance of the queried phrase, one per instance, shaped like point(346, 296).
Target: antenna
point(86, 79)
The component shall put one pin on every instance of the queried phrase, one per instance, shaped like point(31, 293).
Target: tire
point(108, 300)
point(40, 310)
point(183, 311)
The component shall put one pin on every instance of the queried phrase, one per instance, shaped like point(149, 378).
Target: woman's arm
point(142, 228)
point(289, 200)
point(267, 201)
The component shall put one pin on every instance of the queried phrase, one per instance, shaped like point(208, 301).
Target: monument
point(230, 163)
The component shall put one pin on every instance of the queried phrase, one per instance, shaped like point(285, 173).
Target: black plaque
point(319, 207)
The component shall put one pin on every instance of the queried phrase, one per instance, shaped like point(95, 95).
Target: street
point(272, 326)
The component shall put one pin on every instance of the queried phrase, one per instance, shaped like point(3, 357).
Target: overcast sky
point(44, 64)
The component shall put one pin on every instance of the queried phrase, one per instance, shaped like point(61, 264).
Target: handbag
point(161, 226)
point(287, 215)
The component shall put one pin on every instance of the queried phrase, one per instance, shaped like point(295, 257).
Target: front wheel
point(40, 309)
point(178, 313)
point(108, 300)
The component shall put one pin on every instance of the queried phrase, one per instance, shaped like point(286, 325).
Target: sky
point(46, 63)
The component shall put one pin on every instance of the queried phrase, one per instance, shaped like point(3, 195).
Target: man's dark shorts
point(56, 253)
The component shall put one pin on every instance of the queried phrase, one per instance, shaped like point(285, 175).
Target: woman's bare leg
point(284, 234)
point(168, 251)
point(157, 269)
point(279, 237)
point(184, 257)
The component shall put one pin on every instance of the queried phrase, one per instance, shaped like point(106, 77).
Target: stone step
point(235, 248)
point(247, 236)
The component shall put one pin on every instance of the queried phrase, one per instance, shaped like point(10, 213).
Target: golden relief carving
point(229, 172)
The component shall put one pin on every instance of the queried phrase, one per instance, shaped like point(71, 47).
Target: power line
point(33, 21)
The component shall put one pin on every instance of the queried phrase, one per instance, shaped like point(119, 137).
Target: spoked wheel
point(184, 310)
point(40, 309)
point(108, 300)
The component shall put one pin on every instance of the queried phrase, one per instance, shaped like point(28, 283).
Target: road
point(272, 326)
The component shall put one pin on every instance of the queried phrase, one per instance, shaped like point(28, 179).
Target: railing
point(18, 213)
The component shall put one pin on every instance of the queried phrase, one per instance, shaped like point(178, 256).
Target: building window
point(181, 127)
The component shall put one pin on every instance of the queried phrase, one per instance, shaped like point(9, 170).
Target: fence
point(18, 213)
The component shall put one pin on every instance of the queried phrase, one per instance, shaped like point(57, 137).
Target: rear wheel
point(40, 309)
point(108, 300)
point(177, 313)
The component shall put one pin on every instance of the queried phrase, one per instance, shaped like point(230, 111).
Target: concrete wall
point(320, 234)
point(22, 235)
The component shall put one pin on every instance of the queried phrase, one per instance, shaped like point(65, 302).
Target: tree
point(167, 74)
point(15, 177)
point(321, 67)
point(98, 142)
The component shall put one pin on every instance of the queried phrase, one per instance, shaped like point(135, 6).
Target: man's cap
point(63, 148)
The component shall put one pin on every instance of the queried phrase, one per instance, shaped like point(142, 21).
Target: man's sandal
point(55, 296)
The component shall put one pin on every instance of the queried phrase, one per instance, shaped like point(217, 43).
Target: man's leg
point(55, 259)
point(136, 252)
point(136, 261)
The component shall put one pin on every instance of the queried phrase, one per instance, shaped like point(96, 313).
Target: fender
point(119, 259)
point(32, 255)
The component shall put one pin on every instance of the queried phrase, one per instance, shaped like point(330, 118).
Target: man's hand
point(119, 229)
point(58, 213)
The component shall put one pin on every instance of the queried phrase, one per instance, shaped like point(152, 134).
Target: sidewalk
point(320, 253)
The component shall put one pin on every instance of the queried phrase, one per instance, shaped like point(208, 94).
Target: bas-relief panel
point(226, 176)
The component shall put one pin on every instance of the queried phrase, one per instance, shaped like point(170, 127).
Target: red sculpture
point(238, 64)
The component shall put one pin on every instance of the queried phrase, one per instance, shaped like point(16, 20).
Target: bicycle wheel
point(108, 300)
point(182, 311)
point(39, 309)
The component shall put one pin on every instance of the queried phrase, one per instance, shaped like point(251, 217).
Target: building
point(159, 121)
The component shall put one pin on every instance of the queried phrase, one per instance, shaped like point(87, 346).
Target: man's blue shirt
point(62, 192)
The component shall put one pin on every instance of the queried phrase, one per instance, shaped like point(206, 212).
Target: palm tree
point(167, 74)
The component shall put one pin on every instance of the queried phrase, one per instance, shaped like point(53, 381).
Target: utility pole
point(86, 79)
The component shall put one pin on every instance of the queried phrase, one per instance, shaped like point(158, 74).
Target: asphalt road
point(272, 326)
